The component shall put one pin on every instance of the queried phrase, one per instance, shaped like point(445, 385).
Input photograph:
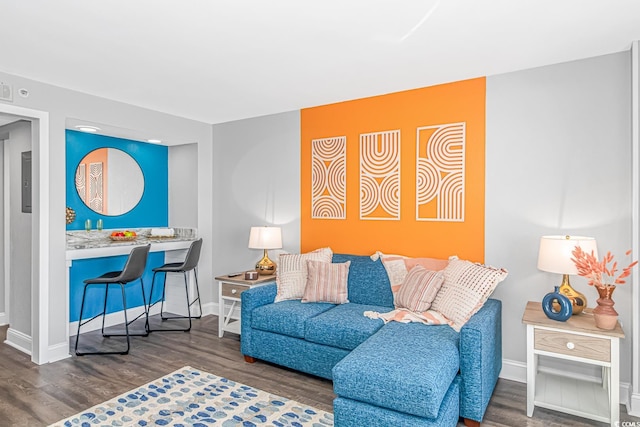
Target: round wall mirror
point(109, 181)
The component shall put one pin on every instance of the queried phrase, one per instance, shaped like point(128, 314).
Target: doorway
point(39, 271)
point(17, 232)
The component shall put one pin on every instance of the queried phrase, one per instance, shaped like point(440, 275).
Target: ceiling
point(217, 61)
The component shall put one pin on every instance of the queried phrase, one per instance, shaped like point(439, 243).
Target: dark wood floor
point(32, 395)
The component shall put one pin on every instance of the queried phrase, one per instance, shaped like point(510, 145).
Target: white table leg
point(220, 311)
point(614, 383)
point(531, 371)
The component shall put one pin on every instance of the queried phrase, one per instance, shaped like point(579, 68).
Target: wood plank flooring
point(32, 395)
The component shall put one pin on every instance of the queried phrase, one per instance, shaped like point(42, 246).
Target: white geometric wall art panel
point(380, 175)
point(96, 190)
point(81, 181)
point(329, 178)
point(440, 165)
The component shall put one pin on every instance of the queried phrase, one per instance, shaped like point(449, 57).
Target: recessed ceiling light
point(86, 128)
point(154, 141)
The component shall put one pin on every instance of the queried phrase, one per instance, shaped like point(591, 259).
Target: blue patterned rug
point(190, 398)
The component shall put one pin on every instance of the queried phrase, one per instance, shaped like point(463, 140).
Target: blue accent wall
point(153, 208)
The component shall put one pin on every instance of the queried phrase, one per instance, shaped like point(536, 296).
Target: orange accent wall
point(462, 101)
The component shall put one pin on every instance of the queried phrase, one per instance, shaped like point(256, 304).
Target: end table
point(229, 289)
point(576, 340)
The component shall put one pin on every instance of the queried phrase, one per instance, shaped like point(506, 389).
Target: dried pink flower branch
point(597, 272)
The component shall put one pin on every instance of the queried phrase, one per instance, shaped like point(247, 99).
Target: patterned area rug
point(190, 398)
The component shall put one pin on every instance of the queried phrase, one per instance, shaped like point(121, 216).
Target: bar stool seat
point(189, 264)
point(131, 272)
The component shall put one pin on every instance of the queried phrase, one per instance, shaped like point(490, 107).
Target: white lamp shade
point(265, 238)
point(555, 254)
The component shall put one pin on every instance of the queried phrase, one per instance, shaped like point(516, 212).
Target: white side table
point(229, 290)
point(579, 340)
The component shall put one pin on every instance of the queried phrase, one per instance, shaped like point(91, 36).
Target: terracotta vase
point(605, 315)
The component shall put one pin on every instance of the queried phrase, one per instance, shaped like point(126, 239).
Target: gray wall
point(256, 182)
point(558, 150)
point(183, 185)
point(20, 231)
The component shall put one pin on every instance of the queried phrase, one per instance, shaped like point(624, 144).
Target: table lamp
point(265, 238)
point(555, 256)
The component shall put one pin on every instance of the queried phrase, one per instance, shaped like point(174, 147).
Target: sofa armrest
point(480, 359)
point(250, 300)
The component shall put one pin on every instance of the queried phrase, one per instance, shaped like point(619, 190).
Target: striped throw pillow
point(291, 274)
point(326, 282)
point(419, 289)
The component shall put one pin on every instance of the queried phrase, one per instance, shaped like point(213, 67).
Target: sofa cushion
point(344, 326)
point(368, 280)
point(286, 317)
point(403, 367)
point(326, 282)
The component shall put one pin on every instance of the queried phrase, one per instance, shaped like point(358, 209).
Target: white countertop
point(97, 244)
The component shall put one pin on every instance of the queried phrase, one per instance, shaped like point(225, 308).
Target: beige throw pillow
point(326, 282)
point(291, 274)
point(466, 288)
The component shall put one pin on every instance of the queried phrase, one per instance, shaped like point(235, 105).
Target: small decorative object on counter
point(123, 235)
point(604, 279)
point(87, 225)
point(70, 215)
point(99, 224)
point(251, 275)
point(552, 300)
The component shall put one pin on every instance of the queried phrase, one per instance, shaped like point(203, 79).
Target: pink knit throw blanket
point(429, 317)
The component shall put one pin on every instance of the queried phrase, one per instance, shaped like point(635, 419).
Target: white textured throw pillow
point(291, 274)
point(466, 288)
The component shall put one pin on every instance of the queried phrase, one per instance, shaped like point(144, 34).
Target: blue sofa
point(383, 375)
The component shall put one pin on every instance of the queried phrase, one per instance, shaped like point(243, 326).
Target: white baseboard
point(58, 352)
point(514, 370)
point(3, 319)
point(111, 319)
point(117, 318)
point(214, 308)
point(517, 371)
point(19, 341)
point(210, 308)
point(633, 405)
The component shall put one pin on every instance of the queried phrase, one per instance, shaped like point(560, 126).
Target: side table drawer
point(233, 290)
point(573, 345)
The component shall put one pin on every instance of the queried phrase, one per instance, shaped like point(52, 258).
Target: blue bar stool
point(190, 263)
point(131, 272)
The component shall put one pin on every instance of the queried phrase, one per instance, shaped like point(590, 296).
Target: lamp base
point(578, 300)
point(265, 266)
